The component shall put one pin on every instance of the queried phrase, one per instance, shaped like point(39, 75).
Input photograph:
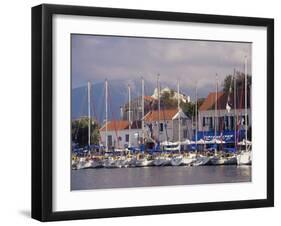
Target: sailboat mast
point(129, 93)
point(179, 119)
point(216, 109)
point(196, 117)
point(142, 110)
point(89, 114)
point(158, 90)
point(246, 116)
point(235, 117)
point(106, 113)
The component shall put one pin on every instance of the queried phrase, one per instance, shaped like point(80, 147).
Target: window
point(161, 127)
point(247, 118)
point(221, 123)
point(204, 123)
point(211, 123)
point(185, 133)
point(109, 141)
point(231, 122)
point(183, 121)
point(226, 122)
point(127, 137)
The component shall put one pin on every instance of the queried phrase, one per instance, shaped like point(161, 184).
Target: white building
point(169, 127)
point(176, 96)
point(119, 135)
point(225, 116)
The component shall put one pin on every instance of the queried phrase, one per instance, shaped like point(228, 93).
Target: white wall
point(122, 134)
point(222, 113)
point(15, 103)
point(162, 134)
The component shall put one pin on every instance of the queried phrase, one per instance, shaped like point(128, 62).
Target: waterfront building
point(168, 129)
point(119, 135)
point(225, 117)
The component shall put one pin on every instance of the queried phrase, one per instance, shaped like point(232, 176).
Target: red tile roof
point(164, 115)
point(209, 102)
point(121, 125)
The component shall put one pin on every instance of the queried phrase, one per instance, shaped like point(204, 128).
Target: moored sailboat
point(245, 155)
point(161, 160)
point(177, 159)
point(201, 160)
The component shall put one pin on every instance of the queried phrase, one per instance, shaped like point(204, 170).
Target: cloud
point(95, 58)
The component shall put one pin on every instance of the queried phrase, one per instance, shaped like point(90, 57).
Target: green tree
point(79, 131)
point(240, 78)
point(189, 108)
point(167, 99)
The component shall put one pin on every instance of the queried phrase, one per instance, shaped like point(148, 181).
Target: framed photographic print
point(145, 112)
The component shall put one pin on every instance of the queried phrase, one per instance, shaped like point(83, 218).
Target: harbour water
point(105, 178)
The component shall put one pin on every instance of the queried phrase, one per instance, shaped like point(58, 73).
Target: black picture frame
point(42, 111)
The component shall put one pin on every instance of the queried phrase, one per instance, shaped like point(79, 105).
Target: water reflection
point(157, 176)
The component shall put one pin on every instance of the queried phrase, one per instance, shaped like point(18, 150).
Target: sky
point(95, 58)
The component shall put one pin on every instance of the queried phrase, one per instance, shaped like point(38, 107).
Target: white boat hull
point(83, 163)
point(217, 160)
point(131, 162)
point(201, 161)
point(230, 160)
point(119, 163)
point(143, 162)
point(161, 161)
point(244, 158)
point(177, 161)
point(96, 164)
point(109, 163)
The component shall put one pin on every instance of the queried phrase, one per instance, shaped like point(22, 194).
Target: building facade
point(119, 135)
point(168, 129)
point(227, 113)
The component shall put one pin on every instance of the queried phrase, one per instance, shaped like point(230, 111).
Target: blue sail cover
point(228, 136)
